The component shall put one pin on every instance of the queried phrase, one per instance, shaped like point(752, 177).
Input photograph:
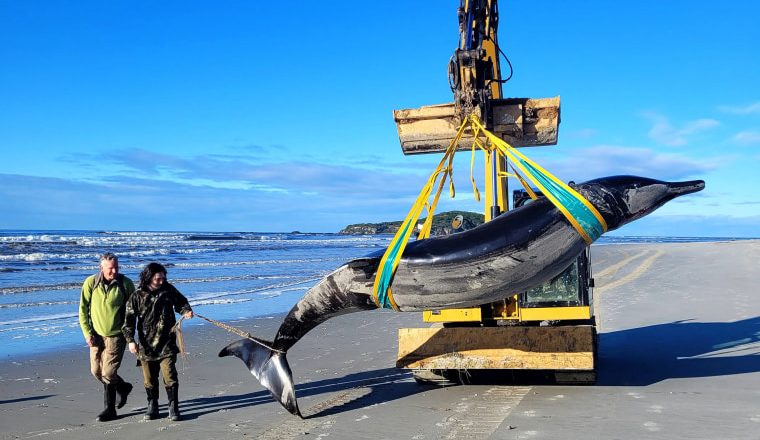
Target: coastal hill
point(441, 224)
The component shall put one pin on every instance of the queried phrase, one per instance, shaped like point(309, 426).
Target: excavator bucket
point(522, 122)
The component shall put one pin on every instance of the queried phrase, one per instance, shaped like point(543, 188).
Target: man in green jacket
point(101, 315)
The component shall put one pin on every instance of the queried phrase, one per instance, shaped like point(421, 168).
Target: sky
point(277, 116)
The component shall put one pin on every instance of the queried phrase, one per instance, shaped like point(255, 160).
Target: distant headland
point(442, 224)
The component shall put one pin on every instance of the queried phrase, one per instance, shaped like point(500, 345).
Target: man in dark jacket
point(101, 316)
point(151, 311)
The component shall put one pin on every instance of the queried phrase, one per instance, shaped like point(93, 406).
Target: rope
point(224, 326)
point(177, 329)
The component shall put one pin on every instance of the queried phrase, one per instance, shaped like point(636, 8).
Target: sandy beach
point(679, 357)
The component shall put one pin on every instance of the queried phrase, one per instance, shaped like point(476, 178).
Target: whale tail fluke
point(269, 367)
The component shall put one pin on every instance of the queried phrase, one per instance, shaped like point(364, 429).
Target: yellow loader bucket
point(521, 122)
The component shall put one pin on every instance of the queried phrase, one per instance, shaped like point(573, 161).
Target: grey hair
point(108, 256)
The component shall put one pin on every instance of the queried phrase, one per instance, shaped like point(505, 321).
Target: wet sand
point(679, 357)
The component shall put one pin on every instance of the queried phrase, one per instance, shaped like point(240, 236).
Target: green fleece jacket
point(102, 305)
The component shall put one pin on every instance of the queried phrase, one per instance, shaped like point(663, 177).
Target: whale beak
point(676, 189)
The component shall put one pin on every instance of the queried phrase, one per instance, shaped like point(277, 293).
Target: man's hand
point(90, 341)
point(188, 314)
point(133, 347)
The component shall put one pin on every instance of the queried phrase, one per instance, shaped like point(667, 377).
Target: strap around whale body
point(382, 294)
point(584, 217)
point(579, 212)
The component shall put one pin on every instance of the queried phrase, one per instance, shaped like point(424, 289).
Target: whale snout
point(676, 189)
point(623, 199)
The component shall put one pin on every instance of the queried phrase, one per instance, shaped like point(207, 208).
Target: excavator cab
point(565, 299)
point(571, 288)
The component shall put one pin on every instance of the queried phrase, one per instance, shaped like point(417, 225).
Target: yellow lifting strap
point(577, 210)
point(581, 214)
point(522, 181)
point(381, 292)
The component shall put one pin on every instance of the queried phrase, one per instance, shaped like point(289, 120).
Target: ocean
point(225, 276)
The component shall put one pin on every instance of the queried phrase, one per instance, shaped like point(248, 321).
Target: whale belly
point(514, 265)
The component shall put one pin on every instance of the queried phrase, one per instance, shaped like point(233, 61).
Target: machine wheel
point(434, 377)
point(575, 377)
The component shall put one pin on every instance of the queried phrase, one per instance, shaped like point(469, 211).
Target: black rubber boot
point(151, 411)
point(172, 392)
point(123, 389)
point(109, 402)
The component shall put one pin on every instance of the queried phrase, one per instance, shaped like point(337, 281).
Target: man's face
point(157, 280)
point(109, 268)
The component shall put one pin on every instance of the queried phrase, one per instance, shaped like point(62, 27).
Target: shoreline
point(47, 334)
point(252, 324)
point(678, 358)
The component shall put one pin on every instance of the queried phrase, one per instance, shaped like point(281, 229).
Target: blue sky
point(277, 116)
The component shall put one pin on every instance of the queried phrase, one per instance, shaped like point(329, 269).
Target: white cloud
point(45, 203)
point(749, 137)
point(252, 172)
point(741, 110)
point(664, 132)
point(606, 160)
point(150, 204)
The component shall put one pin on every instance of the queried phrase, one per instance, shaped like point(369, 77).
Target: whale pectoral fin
point(270, 368)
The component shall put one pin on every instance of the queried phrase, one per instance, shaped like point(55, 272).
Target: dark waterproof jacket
point(152, 313)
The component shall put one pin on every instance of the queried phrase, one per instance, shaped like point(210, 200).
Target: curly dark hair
point(147, 274)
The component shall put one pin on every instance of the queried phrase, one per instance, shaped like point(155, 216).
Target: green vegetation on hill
point(441, 224)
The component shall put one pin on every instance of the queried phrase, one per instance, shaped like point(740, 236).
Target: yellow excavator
point(549, 329)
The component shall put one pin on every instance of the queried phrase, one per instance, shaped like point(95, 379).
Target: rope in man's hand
point(181, 343)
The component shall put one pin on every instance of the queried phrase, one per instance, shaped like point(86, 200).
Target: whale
point(513, 252)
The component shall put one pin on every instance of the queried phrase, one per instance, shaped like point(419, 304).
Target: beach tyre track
point(636, 273)
point(609, 272)
point(613, 269)
point(479, 415)
point(475, 416)
point(294, 427)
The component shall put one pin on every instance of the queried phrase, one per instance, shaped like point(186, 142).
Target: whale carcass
point(516, 251)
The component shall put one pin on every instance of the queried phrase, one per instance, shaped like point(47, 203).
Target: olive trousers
point(168, 369)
